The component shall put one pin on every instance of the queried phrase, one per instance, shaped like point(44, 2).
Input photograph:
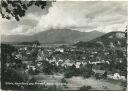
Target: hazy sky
point(82, 16)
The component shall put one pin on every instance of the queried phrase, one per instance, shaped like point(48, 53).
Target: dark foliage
point(48, 68)
point(85, 88)
point(30, 43)
point(9, 74)
point(86, 71)
point(88, 44)
point(70, 71)
point(17, 9)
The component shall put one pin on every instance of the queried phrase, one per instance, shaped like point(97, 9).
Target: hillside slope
point(54, 36)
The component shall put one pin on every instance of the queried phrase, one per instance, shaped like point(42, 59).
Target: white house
point(116, 76)
point(60, 49)
point(77, 64)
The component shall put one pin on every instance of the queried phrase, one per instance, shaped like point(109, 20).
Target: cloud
point(113, 27)
point(21, 29)
point(84, 16)
point(81, 16)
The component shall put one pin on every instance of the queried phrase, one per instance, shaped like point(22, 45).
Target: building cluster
point(33, 57)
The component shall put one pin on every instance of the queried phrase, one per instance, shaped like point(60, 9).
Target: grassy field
point(75, 83)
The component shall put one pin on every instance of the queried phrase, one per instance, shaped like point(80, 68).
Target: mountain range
point(58, 36)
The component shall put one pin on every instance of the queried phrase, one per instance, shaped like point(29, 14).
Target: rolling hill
point(116, 38)
point(57, 36)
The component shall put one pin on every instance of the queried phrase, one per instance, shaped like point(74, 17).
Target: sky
point(84, 16)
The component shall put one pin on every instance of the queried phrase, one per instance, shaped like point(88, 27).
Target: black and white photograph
point(63, 45)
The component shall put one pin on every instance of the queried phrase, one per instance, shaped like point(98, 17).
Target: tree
point(18, 8)
point(86, 71)
point(70, 71)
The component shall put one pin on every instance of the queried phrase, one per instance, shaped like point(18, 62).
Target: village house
point(116, 76)
point(60, 50)
point(78, 64)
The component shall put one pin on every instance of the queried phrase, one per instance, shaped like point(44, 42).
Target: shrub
point(85, 88)
point(71, 71)
point(68, 74)
point(89, 87)
point(86, 71)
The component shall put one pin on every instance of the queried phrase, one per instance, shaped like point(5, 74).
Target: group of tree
point(84, 71)
point(13, 70)
point(9, 74)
